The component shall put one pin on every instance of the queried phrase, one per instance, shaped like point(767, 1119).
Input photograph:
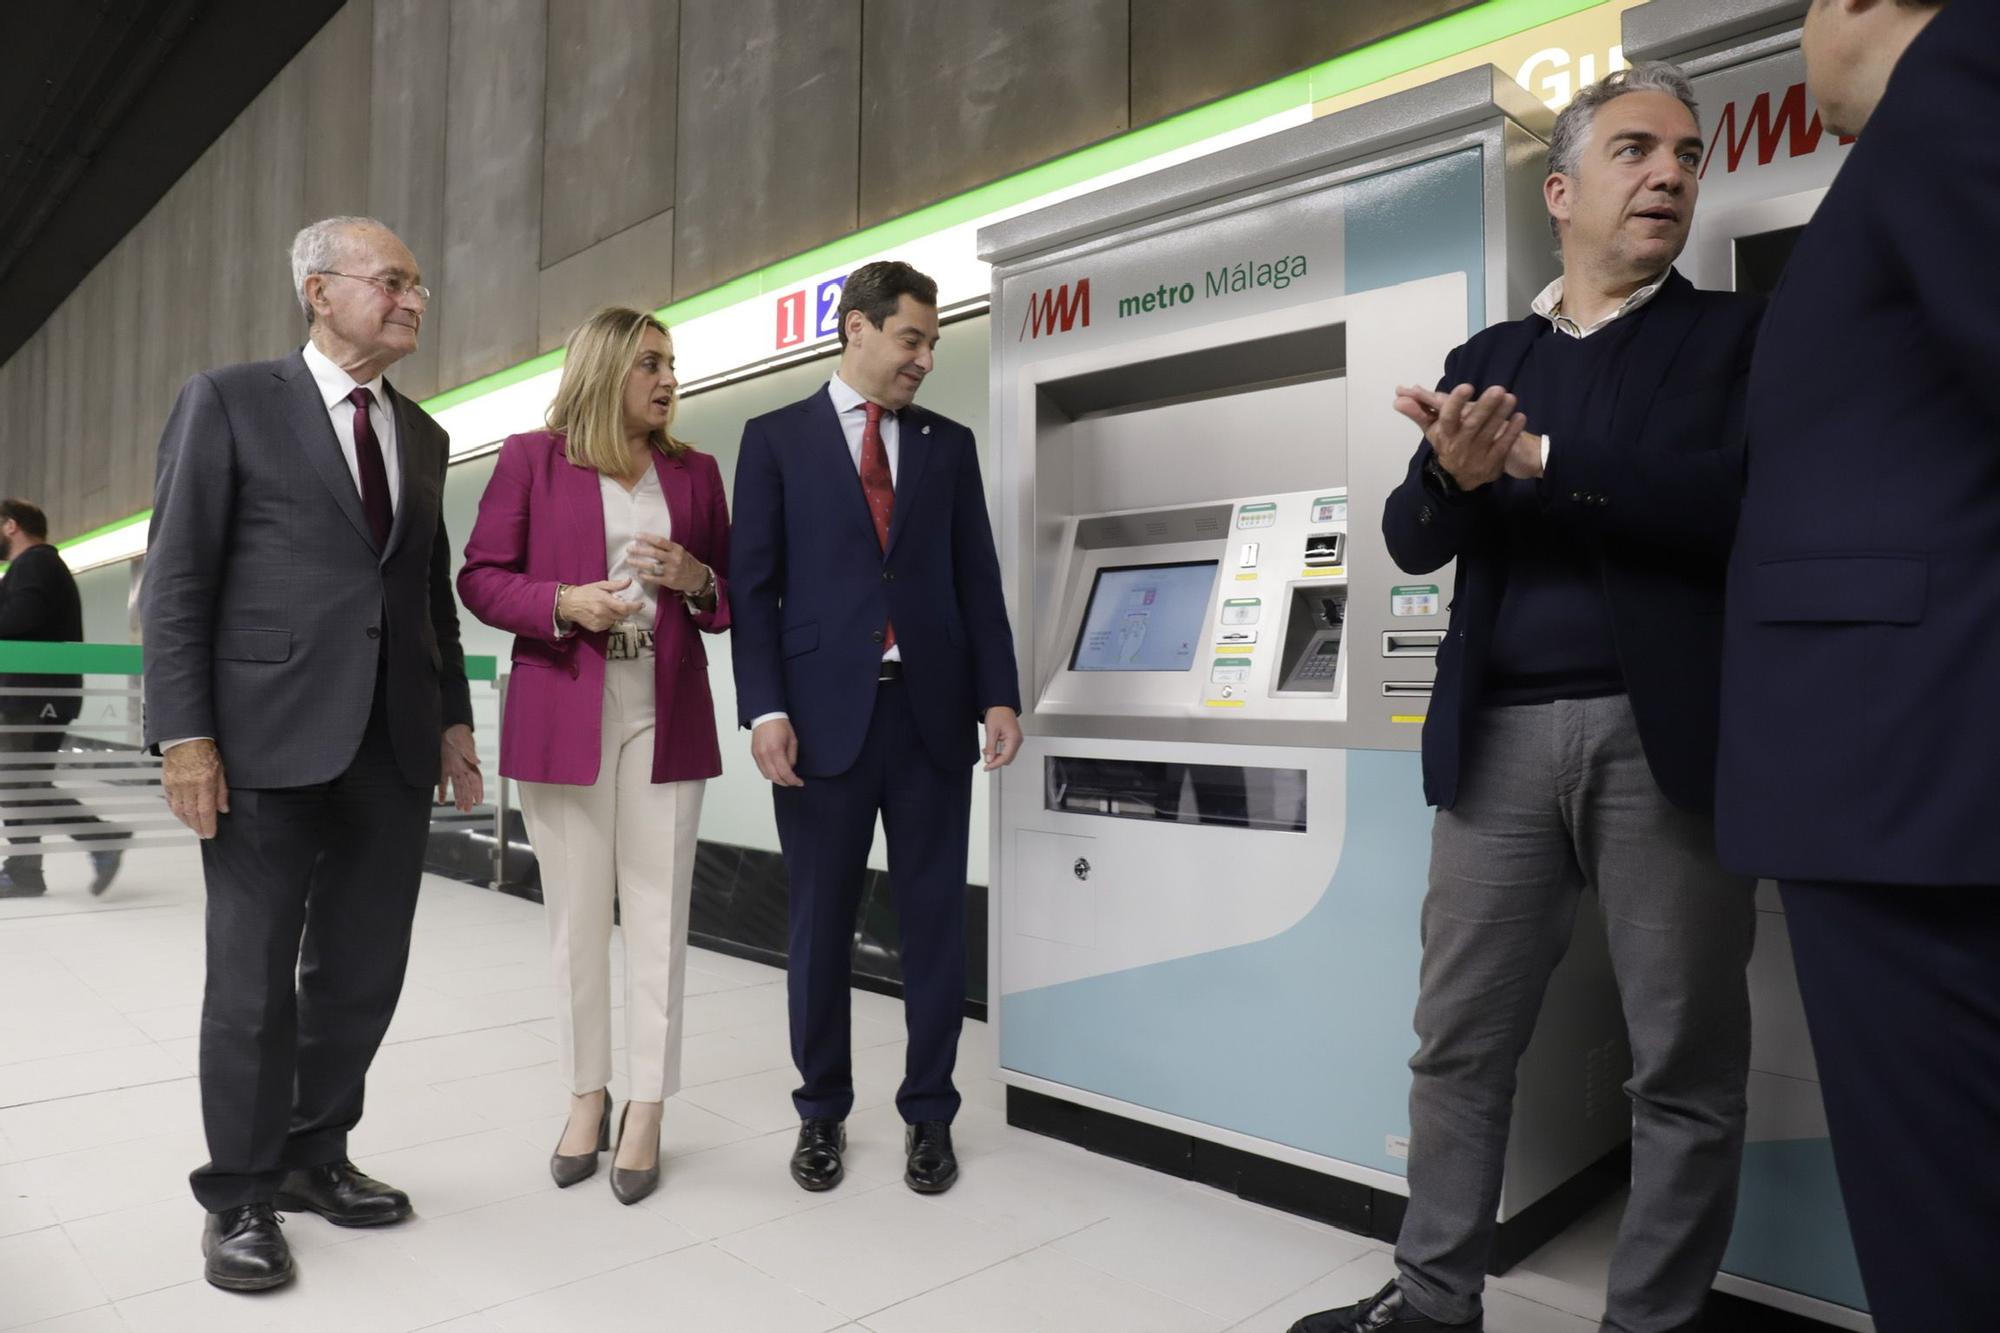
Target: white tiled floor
point(99, 1124)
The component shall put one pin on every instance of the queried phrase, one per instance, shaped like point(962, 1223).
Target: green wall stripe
point(1434, 41)
point(126, 659)
point(1437, 40)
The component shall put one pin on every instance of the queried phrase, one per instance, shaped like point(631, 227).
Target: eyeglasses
point(394, 285)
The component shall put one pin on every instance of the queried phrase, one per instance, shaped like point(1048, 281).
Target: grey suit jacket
point(266, 606)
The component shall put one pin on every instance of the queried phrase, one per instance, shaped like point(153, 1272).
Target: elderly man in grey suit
point(305, 684)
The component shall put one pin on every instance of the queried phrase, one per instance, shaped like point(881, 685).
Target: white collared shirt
point(627, 514)
point(1549, 306)
point(335, 385)
point(852, 409)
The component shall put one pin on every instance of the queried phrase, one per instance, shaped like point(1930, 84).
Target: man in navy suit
point(1861, 726)
point(871, 639)
point(1570, 745)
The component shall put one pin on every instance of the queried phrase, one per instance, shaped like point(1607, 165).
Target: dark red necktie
point(374, 476)
point(880, 488)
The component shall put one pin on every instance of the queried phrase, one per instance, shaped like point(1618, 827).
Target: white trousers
point(626, 838)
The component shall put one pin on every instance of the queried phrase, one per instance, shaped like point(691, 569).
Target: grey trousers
point(1555, 799)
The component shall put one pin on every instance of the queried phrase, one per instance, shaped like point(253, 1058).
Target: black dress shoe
point(244, 1250)
point(816, 1161)
point(343, 1196)
point(1384, 1312)
point(933, 1167)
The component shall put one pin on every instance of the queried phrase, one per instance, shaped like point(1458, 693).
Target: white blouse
point(643, 509)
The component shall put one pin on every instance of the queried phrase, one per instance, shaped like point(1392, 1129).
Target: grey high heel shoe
point(567, 1170)
point(632, 1186)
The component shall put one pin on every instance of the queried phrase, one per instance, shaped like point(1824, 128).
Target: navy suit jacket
point(1653, 492)
point(813, 586)
point(1861, 718)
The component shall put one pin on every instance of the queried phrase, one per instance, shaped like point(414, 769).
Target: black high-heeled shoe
point(569, 1169)
point(632, 1186)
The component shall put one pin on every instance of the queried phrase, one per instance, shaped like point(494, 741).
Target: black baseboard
point(1346, 1204)
point(1355, 1207)
point(739, 906)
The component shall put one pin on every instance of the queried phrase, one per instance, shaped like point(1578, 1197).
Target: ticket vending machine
point(1210, 857)
point(1768, 164)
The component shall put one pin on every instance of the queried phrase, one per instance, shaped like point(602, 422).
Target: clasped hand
point(663, 563)
point(1477, 439)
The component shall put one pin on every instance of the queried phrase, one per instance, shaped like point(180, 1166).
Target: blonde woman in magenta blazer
point(602, 543)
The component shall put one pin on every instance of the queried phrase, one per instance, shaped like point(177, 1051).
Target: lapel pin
point(927, 430)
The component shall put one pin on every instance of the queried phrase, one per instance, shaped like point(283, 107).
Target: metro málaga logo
point(1792, 128)
point(1056, 310)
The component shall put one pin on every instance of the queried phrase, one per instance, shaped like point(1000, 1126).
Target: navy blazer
point(813, 586)
point(1654, 495)
point(1861, 720)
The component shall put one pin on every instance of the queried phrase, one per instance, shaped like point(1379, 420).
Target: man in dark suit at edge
point(1860, 727)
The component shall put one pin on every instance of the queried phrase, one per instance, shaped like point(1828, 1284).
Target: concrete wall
point(546, 157)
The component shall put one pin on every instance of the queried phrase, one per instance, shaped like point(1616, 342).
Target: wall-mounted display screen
point(1144, 617)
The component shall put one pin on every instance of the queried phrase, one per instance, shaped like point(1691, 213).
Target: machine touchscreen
point(1144, 618)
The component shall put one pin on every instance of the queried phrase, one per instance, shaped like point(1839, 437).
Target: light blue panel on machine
point(1791, 1228)
point(1419, 221)
point(1303, 1038)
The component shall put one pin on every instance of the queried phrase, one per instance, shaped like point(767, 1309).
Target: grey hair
point(317, 248)
point(1573, 124)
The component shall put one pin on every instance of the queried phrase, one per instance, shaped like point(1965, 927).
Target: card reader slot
point(1406, 689)
point(1411, 643)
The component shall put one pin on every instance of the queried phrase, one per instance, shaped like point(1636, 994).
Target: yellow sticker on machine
point(1225, 703)
point(1329, 572)
point(1407, 717)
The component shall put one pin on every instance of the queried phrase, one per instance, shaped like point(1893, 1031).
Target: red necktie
point(880, 489)
point(374, 476)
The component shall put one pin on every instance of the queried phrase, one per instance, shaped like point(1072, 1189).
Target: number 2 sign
point(826, 312)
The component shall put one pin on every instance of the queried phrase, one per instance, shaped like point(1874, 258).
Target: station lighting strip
point(727, 333)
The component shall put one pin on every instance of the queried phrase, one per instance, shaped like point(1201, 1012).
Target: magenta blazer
point(541, 522)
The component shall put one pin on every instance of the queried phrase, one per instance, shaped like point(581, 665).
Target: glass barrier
point(88, 785)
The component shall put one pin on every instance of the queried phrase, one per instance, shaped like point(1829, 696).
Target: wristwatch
point(704, 590)
point(1441, 480)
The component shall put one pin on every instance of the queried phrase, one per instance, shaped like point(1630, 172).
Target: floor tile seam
point(782, 1281)
point(401, 1247)
point(708, 1244)
point(99, 1092)
point(1218, 1314)
point(1049, 1245)
point(1340, 1268)
point(145, 1039)
point(128, 1296)
point(89, 1276)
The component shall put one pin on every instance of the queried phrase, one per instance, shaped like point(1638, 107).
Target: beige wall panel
point(634, 268)
point(412, 48)
point(493, 188)
point(953, 96)
point(768, 162)
point(608, 158)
